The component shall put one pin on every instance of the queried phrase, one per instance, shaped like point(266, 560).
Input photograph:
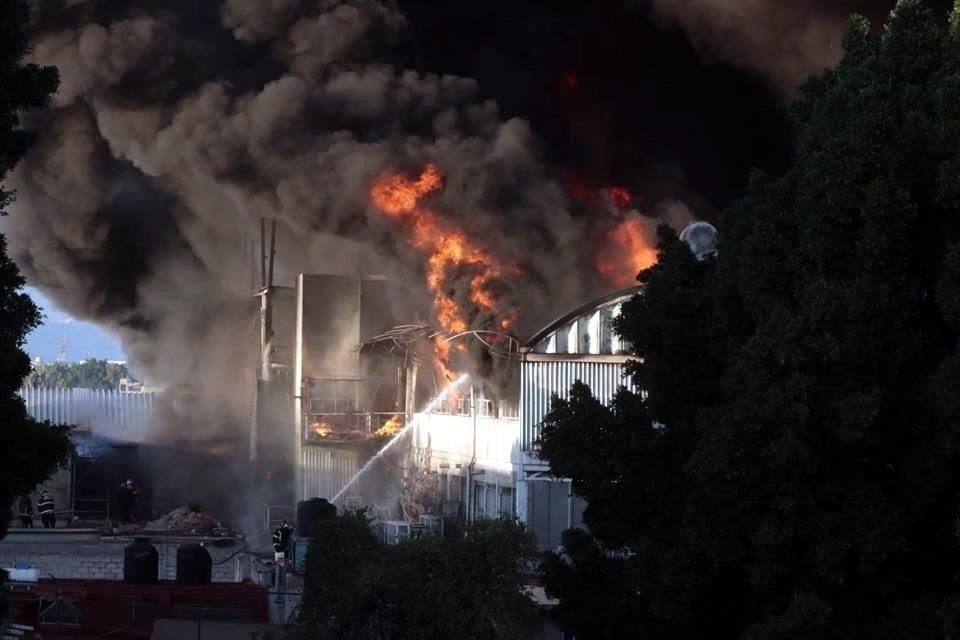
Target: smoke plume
point(178, 127)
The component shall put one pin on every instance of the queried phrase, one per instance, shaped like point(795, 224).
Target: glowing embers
point(450, 255)
point(617, 197)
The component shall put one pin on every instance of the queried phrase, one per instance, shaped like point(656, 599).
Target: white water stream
point(379, 454)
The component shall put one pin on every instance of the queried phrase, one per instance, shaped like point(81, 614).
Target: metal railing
point(91, 508)
point(321, 426)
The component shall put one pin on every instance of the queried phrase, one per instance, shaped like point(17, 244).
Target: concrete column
point(520, 495)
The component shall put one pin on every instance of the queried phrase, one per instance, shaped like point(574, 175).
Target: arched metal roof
point(585, 329)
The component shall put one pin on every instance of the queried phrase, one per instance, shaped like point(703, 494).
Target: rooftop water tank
point(140, 562)
point(194, 564)
point(310, 512)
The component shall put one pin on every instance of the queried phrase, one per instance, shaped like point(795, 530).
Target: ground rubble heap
point(185, 520)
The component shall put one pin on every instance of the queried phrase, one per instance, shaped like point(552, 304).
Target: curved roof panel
point(587, 329)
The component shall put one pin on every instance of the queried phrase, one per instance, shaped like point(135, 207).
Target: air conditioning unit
point(396, 531)
point(432, 525)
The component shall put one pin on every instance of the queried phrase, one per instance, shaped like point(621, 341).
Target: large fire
point(390, 428)
point(445, 247)
point(627, 252)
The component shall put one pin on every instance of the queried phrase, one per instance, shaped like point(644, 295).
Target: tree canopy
point(357, 588)
point(792, 470)
point(29, 451)
point(88, 374)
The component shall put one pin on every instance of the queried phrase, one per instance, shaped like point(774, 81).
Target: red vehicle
point(75, 609)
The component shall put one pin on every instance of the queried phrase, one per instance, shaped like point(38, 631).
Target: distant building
point(130, 386)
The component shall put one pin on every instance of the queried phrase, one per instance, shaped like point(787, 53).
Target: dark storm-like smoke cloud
point(178, 126)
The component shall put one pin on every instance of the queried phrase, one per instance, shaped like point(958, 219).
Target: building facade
point(580, 346)
point(473, 455)
point(481, 454)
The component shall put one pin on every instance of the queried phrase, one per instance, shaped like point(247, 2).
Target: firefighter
point(47, 510)
point(128, 502)
point(135, 506)
point(26, 511)
point(124, 500)
point(281, 538)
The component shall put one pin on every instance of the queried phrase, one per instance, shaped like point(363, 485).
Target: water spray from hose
point(406, 429)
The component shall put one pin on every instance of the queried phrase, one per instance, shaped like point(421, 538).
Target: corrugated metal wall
point(104, 411)
point(326, 470)
point(540, 381)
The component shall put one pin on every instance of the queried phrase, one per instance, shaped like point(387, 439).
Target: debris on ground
point(185, 520)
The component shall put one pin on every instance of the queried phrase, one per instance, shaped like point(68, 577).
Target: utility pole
point(267, 260)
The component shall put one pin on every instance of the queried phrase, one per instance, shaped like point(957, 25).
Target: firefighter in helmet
point(281, 537)
point(47, 510)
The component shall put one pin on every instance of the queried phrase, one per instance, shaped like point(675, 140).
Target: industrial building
point(340, 379)
point(478, 454)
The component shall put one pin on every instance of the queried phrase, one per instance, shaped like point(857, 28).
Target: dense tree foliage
point(29, 451)
point(357, 588)
point(792, 470)
point(88, 374)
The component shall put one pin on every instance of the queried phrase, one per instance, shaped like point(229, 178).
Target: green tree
point(29, 451)
point(88, 374)
point(792, 470)
point(357, 588)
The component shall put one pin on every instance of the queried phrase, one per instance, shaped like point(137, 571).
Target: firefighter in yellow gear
point(47, 511)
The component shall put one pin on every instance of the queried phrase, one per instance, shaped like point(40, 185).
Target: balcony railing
point(338, 427)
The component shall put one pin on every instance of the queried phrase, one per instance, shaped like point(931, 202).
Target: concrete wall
point(104, 560)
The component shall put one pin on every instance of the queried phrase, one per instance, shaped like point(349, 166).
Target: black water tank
point(140, 562)
point(194, 564)
point(310, 512)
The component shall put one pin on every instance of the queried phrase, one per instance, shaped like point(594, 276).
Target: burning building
point(475, 455)
point(322, 406)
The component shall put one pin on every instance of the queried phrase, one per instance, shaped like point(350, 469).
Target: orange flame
point(321, 429)
point(445, 246)
point(391, 427)
point(628, 252)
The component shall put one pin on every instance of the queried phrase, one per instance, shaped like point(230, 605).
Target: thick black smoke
point(176, 129)
point(180, 123)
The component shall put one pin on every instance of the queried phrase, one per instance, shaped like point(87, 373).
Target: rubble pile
point(185, 520)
